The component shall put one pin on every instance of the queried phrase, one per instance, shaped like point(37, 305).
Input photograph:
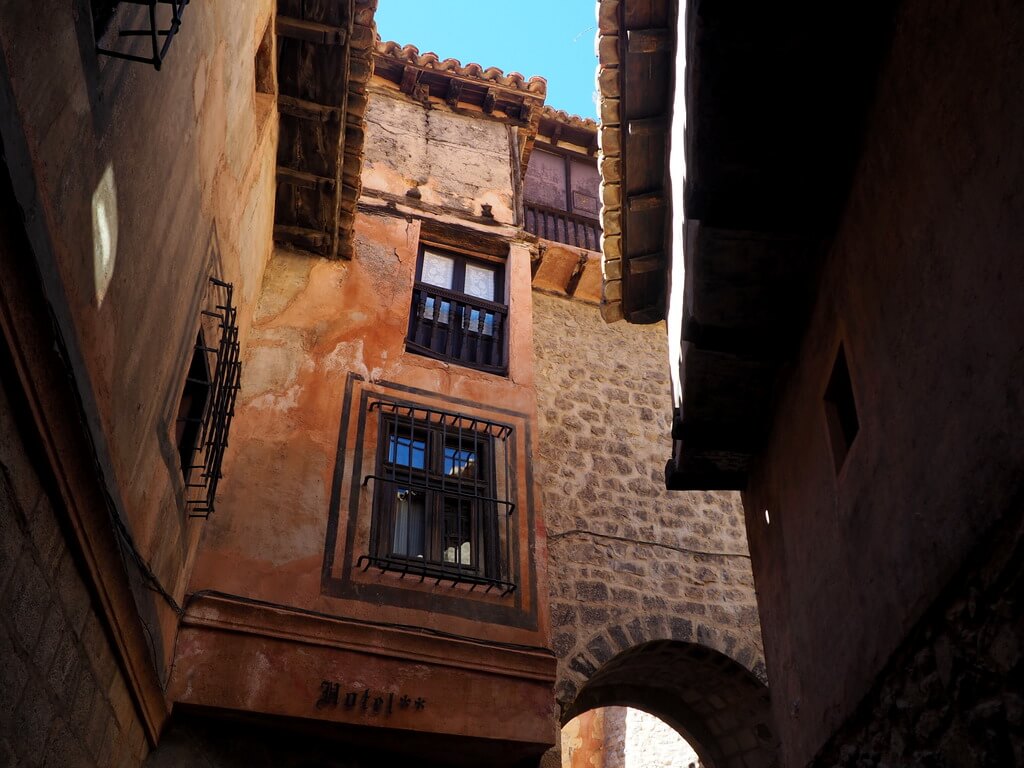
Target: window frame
point(443, 347)
point(439, 432)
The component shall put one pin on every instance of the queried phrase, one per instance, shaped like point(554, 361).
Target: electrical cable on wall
point(673, 547)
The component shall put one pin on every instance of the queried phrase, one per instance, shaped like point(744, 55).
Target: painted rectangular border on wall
point(516, 610)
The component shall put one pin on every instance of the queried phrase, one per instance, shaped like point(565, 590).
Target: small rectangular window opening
point(192, 406)
point(841, 410)
point(264, 64)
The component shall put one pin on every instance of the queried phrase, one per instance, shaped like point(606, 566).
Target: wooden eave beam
point(648, 40)
point(642, 265)
point(649, 126)
point(308, 110)
point(310, 31)
point(454, 93)
point(315, 240)
point(410, 77)
point(649, 201)
point(305, 180)
point(489, 100)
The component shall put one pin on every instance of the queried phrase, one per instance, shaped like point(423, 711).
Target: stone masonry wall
point(623, 737)
point(629, 562)
point(63, 700)
point(952, 695)
point(651, 743)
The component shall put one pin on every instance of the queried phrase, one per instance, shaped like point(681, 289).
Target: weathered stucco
point(295, 509)
point(136, 178)
point(455, 161)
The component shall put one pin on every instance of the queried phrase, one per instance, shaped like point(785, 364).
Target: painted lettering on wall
point(366, 701)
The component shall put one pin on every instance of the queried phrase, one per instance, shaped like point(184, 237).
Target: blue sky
point(550, 38)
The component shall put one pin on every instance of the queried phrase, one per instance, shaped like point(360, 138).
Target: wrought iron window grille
point(441, 502)
point(220, 358)
point(158, 12)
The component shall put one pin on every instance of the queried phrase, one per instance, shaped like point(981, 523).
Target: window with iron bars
point(207, 402)
point(441, 507)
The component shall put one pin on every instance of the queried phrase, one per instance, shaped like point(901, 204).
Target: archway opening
point(713, 702)
point(624, 737)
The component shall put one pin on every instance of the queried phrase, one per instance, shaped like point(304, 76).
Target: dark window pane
point(407, 452)
point(458, 531)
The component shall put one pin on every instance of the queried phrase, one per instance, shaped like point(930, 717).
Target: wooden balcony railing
point(563, 227)
point(452, 326)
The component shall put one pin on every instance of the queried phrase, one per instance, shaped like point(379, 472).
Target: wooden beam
point(410, 76)
point(649, 40)
point(649, 201)
point(642, 265)
point(315, 240)
point(305, 180)
point(454, 93)
point(310, 31)
point(308, 110)
point(649, 126)
point(489, 99)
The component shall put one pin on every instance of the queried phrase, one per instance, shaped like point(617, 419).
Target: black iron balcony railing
point(452, 326)
point(162, 20)
point(563, 227)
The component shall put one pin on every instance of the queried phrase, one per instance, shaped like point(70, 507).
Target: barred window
point(207, 402)
point(440, 504)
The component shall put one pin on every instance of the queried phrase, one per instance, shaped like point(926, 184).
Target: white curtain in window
point(480, 282)
point(438, 270)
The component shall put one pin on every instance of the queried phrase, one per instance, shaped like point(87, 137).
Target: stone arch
point(720, 706)
point(607, 642)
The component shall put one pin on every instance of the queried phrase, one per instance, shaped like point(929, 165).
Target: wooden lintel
point(410, 77)
point(649, 126)
point(454, 93)
point(648, 40)
point(642, 265)
point(305, 180)
point(648, 201)
point(308, 110)
point(310, 31)
point(315, 240)
point(489, 99)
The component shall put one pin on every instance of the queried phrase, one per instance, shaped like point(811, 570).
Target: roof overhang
point(776, 100)
point(636, 53)
point(323, 65)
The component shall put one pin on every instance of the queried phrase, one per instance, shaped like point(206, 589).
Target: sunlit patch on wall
point(104, 232)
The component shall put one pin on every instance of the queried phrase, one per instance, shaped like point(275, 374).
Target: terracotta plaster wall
point(318, 323)
point(170, 174)
point(325, 333)
point(922, 288)
point(629, 562)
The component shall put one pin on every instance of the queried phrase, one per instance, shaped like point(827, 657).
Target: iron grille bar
point(433, 466)
point(435, 572)
point(431, 416)
point(424, 487)
point(154, 32)
point(220, 409)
